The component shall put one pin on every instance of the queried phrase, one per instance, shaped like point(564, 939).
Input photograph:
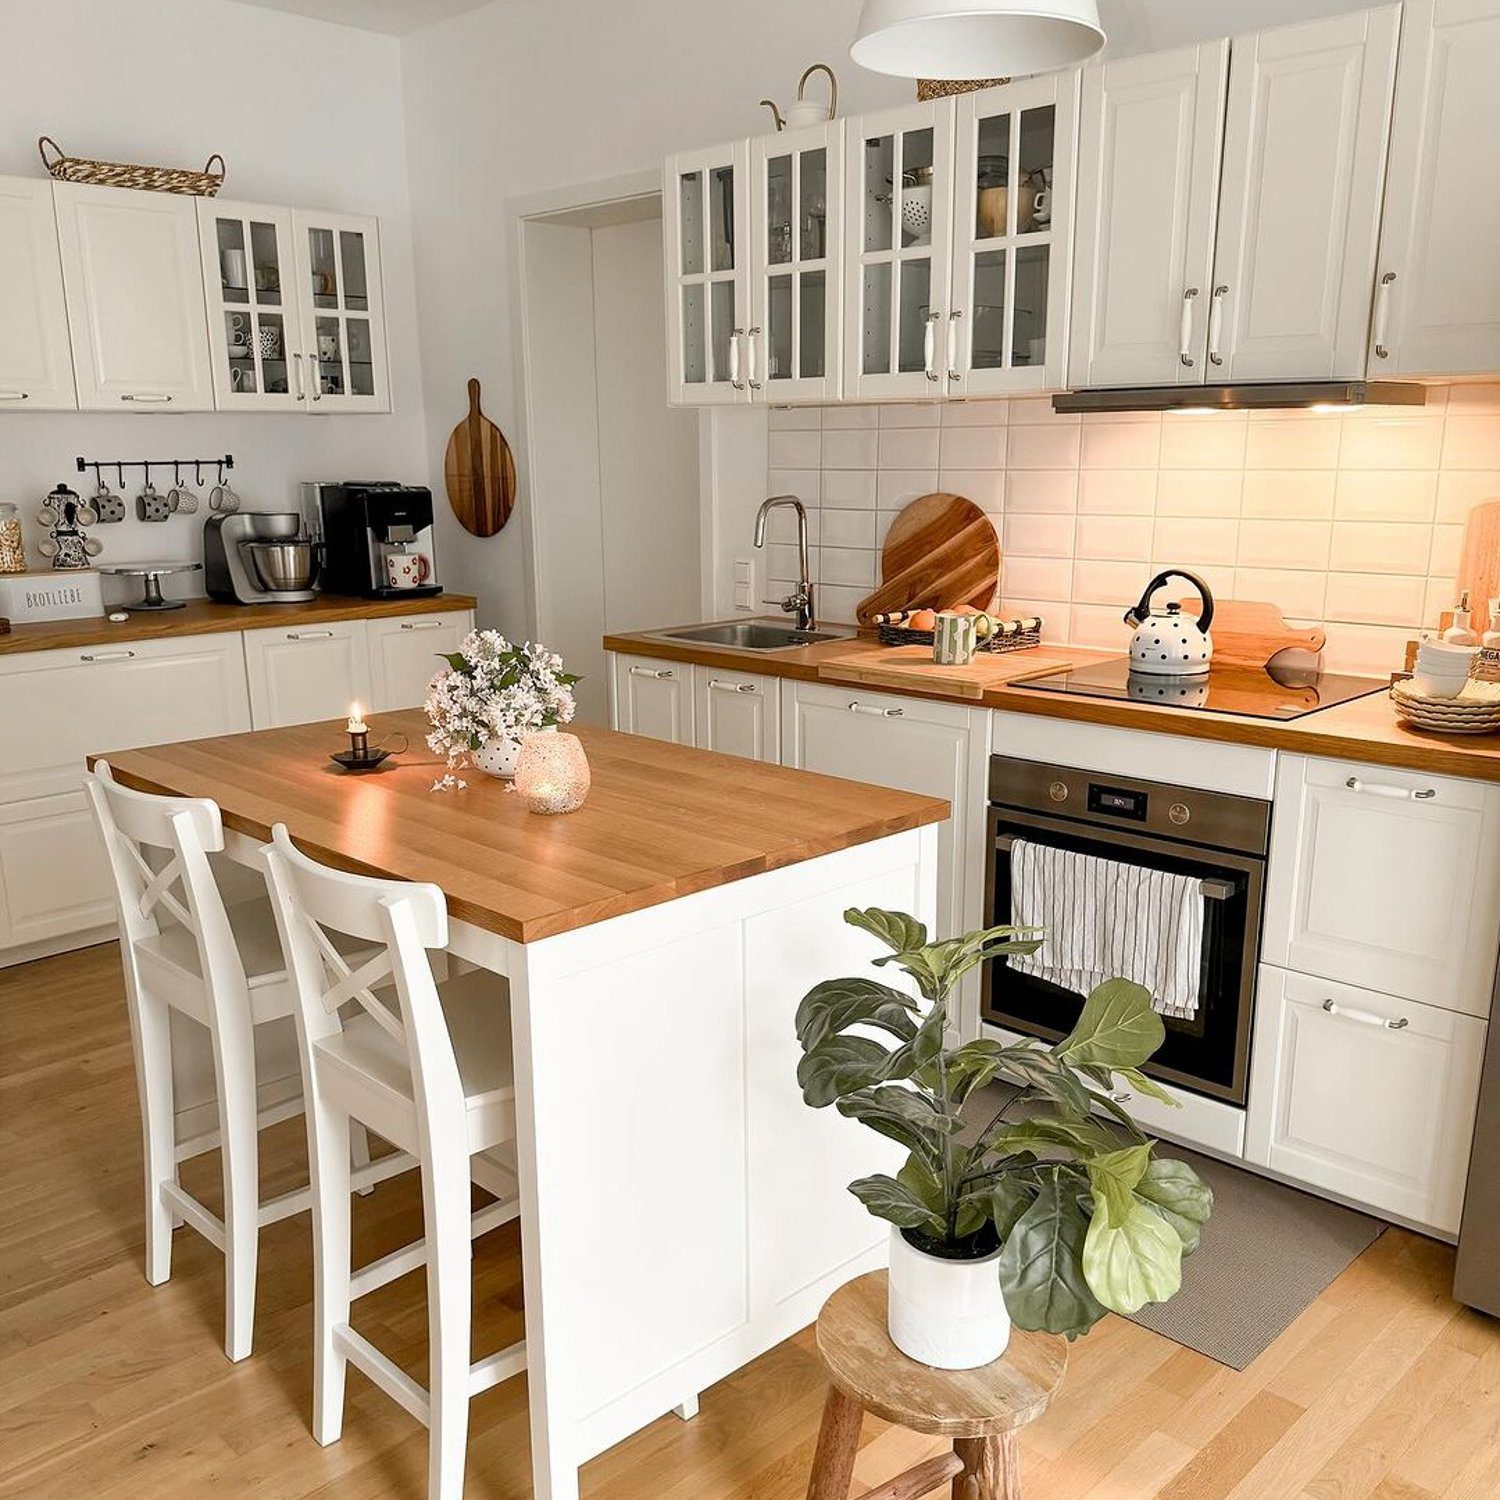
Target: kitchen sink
point(753, 635)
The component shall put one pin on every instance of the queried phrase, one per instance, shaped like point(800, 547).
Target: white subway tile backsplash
point(1051, 446)
point(848, 528)
point(977, 413)
point(849, 489)
point(1039, 536)
point(1115, 583)
point(1194, 441)
point(796, 450)
point(851, 566)
point(1379, 442)
point(1292, 443)
point(985, 487)
point(1113, 538)
point(1117, 492)
point(930, 415)
point(974, 447)
point(781, 524)
point(1472, 442)
point(1037, 410)
point(1298, 595)
point(897, 488)
point(1050, 490)
point(841, 418)
point(1121, 445)
point(805, 484)
point(1199, 492)
point(857, 448)
point(1379, 547)
point(1463, 399)
point(795, 418)
point(1459, 490)
point(1285, 544)
point(1196, 541)
point(1368, 650)
point(1375, 599)
point(1447, 548)
point(909, 448)
point(837, 603)
point(1292, 494)
point(1370, 495)
point(1097, 625)
point(1034, 578)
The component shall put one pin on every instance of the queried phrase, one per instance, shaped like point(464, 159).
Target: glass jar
point(12, 549)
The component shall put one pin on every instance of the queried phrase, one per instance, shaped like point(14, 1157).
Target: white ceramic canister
point(949, 1314)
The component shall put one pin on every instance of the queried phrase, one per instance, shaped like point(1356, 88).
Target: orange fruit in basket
point(923, 619)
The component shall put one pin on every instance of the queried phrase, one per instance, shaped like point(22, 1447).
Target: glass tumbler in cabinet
point(340, 361)
point(247, 255)
point(794, 341)
point(898, 208)
point(707, 213)
point(1013, 236)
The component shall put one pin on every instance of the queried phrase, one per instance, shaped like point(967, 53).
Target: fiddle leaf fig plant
point(1087, 1217)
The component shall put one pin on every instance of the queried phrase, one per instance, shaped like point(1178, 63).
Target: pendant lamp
point(960, 39)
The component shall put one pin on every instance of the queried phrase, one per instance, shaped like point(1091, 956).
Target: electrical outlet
point(744, 584)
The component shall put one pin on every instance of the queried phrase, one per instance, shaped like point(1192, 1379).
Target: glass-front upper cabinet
point(706, 211)
point(899, 207)
point(794, 341)
point(339, 365)
point(1014, 149)
point(253, 324)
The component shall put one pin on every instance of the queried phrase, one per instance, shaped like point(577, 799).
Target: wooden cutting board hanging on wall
point(1479, 567)
point(480, 471)
point(940, 551)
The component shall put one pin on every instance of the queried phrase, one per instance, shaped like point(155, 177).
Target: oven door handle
point(1214, 889)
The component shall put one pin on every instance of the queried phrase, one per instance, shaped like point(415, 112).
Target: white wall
point(305, 114)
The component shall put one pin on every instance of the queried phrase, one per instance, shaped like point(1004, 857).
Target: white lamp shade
point(961, 39)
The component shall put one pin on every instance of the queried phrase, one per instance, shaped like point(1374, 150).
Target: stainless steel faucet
point(800, 603)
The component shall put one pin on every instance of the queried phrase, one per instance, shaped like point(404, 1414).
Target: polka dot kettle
point(1168, 643)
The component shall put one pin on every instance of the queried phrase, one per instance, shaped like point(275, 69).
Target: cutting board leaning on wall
point(940, 551)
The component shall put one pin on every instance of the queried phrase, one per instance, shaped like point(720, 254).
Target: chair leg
point(445, 1202)
point(838, 1445)
point(328, 1157)
point(239, 1146)
point(992, 1468)
point(152, 1025)
point(359, 1153)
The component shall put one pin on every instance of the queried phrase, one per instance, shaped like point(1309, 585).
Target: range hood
point(1317, 395)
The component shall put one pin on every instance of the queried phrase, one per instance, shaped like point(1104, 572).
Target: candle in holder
point(359, 732)
point(552, 772)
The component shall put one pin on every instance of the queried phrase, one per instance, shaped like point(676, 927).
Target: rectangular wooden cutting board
point(912, 669)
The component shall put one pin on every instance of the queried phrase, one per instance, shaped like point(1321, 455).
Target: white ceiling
point(394, 17)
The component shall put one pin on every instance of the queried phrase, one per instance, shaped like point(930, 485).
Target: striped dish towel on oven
point(1104, 919)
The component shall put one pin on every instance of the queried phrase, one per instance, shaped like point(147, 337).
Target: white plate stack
point(1473, 709)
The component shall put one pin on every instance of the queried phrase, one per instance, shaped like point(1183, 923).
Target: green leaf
point(837, 1004)
point(904, 1116)
point(895, 929)
point(1180, 1196)
point(1113, 1177)
point(887, 1198)
point(1086, 1137)
point(919, 1179)
point(1117, 1029)
point(1041, 1264)
point(455, 660)
point(1132, 1261)
point(841, 1065)
point(1009, 1199)
point(967, 1068)
point(1147, 1086)
point(1043, 1070)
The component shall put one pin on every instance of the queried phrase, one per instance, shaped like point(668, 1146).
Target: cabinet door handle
point(315, 378)
point(1365, 1017)
point(421, 624)
point(1380, 789)
point(1185, 332)
point(954, 373)
point(147, 398)
point(1383, 315)
point(732, 687)
point(751, 334)
point(1216, 324)
point(657, 672)
point(102, 656)
point(735, 335)
point(878, 713)
point(309, 635)
point(301, 383)
point(929, 346)
point(15, 395)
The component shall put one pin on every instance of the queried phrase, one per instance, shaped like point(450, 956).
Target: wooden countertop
point(204, 617)
point(662, 820)
point(1365, 729)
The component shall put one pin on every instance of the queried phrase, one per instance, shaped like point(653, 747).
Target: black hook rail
point(119, 465)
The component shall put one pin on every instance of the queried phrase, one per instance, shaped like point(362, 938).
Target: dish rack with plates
point(1009, 635)
point(1476, 710)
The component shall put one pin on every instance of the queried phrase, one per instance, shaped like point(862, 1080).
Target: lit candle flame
point(356, 724)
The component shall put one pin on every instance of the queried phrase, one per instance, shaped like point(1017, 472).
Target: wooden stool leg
point(992, 1468)
point(838, 1444)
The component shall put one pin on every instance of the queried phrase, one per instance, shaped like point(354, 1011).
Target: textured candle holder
point(552, 773)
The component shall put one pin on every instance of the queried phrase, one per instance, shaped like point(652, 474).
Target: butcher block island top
point(661, 821)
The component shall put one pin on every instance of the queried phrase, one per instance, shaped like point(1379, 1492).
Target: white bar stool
point(435, 1078)
point(184, 953)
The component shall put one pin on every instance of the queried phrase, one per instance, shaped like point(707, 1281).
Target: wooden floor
point(1383, 1390)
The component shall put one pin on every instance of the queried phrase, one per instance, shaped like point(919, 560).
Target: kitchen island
point(682, 1210)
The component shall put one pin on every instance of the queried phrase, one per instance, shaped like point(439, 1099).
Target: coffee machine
point(258, 557)
point(377, 538)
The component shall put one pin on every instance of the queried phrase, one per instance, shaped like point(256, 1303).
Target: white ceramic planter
point(949, 1314)
point(499, 759)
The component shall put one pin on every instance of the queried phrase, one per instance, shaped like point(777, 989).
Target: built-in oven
point(1216, 837)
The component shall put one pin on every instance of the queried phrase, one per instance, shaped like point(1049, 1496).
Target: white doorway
point(614, 500)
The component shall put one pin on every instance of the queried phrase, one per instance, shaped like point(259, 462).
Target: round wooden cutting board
point(940, 551)
point(480, 471)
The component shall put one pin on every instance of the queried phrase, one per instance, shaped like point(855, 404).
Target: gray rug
point(1266, 1254)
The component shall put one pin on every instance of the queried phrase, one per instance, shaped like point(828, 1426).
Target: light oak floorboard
point(1384, 1389)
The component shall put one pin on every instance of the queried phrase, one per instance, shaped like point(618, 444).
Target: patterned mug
point(954, 639)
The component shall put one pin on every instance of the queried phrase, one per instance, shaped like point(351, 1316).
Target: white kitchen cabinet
point(299, 674)
point(254, 323)
point(794, 344)
point(36, 362)
point(1151, 137)
point(1299, 204)
point(1013, 167)
point(405, 652)
point(134, 283)
point(737, 713)
point(652, 697)
point(898, 250)
point(707, 206)
point(1386, 879)
point(340, 300)
point(1437, 308)
point(1365, 1096)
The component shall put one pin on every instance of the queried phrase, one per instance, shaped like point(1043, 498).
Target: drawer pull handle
point(657, 672)
point(15, 395)
point(1380, 789)
point(732, 687)
point(100, 656)
point(147, 396)
point(309, 635)
point(421, 624)
point(1365, 1017)
point(879, 713)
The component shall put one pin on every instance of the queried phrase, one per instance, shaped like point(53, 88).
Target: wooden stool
point(981, 1410)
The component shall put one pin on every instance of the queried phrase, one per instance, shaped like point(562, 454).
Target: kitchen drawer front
point(53, 875)
point(737, 713)
point(406, 652)
point(652, 697)
point(62, 705)
point(1366, 1096)
point(301, 674)
point(1387, 879)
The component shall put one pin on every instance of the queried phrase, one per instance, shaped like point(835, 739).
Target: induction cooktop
point(1272, 692)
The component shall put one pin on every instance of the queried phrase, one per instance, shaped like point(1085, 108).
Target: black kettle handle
point(1205, 619)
